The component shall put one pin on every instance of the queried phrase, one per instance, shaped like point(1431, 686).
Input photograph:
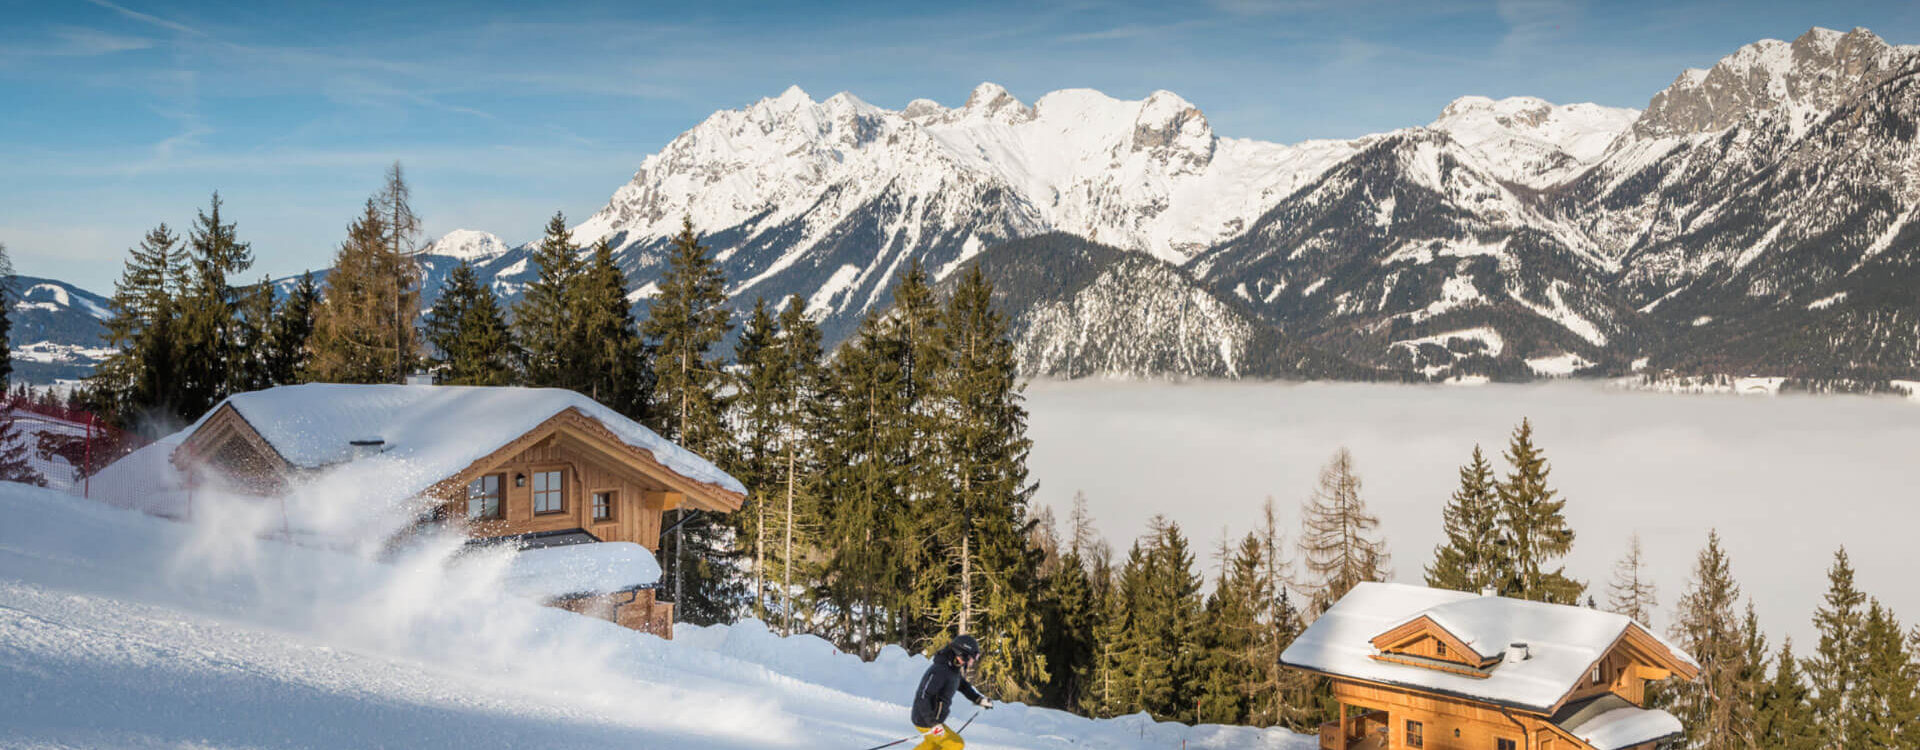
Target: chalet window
point(483, 498)
point(1440, 649)
point(603, 506)
point(1416, 734)
point(1504, 744)
point(549, 493)
point(1596, 674)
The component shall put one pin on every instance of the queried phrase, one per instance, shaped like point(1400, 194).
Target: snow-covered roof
point(433, 431)
point(1563, 642)
point(581, 570)
point(1611, 723)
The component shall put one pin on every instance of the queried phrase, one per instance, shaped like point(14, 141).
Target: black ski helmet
point(965, 646)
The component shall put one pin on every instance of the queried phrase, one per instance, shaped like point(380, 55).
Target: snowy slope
point(58, 330)
point(119, 629)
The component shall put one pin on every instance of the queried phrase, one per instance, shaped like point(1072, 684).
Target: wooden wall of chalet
point(638, 501)
point(1478, 726)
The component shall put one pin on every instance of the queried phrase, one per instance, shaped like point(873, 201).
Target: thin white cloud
point(148, 18)
point(1533, 25)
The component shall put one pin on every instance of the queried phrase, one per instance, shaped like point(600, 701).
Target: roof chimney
point(1518, 652)
point(367, 447)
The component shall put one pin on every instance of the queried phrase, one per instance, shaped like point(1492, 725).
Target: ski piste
point(963, 727)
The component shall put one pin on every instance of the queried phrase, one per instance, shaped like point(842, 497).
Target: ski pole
point(969, 722)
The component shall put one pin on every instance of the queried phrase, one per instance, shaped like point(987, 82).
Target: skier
point(935, 695)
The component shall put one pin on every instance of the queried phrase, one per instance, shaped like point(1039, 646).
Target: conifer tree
point(798, 417)
point(1282, 696)
point(254, 313)
point(395, 200)
point(1834, 668)
point(138, 383)
point(980, 511)
point(1469, 560)
point(1750, 681)
point(287, 353)
point(1535, 519)
point(914, 326)
point(864, 472)
point(1231, 666)
point(14, 463)
point(614, 370)
point(206, 338)
point(1070, 613)
point(1886, 713)
point(1785, 719)
point(470, 338)
point(1340, 540)
point(6, 325)
point(354, 338)
point(757, 456)
point(1631, 592)
point(541, 319)
point(1706, 628)
point(686, 320)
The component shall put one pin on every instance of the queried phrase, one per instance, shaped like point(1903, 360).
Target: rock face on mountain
point(1755, 217)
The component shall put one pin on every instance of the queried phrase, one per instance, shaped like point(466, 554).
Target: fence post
point(86, 463)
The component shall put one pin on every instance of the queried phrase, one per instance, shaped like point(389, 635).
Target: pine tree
point(1750, 681)
point(686, 320)
point(1705, 627)
point(1282, 696)
point(913, 325)
point(1070, 611)
point(1537, 533)
point(287, 354)
point(1340, 541)
point(1834, 668)
point(1785, 719)
point(138, 383)
point(614, 370)
point(470, 338)
point(354, 338)
point(14, 463)
point(206, 339)
point(1469, 560)
point(6, 326)
point(1631, 592)
point(541, 321)
point(757, 457)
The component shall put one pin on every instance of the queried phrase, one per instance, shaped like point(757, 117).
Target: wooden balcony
point(1364, 732)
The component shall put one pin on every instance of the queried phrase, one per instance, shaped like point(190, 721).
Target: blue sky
point(121, 114)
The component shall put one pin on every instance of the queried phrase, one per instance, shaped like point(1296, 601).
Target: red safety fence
point(66, 446)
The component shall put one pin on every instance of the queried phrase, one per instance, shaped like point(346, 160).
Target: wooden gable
point(1625, 668)
point(227, 442)
point(583, 433)
point(1423, 642)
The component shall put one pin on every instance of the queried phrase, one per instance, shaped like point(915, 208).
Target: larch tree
point(471, 341)
point(1707, 628)
point(1235, 634)
point(395, 200)
point(685, 322)
point(1535, 522)
point(1469, 560)
point(1632, 592)
point(1340, 544)
point(354, 339)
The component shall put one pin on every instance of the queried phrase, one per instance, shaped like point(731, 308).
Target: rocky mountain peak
point(1171, 129)
point(1798, 80)
point(468, 245)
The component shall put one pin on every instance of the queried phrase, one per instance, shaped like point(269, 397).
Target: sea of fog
point(1786, 480)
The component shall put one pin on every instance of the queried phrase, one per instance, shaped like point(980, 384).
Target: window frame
point(1416, 734)
point(1440, 648)
point(560, 489)
point(499, 497)
point(1599, 674)
point(1502, 743)
point(613, 504)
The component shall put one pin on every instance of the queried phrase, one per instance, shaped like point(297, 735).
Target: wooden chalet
point(1431, 669)
point(533, 467)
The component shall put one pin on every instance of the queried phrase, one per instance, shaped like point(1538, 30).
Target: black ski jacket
point(934, 698)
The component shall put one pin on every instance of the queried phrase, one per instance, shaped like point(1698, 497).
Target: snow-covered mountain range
point(57, 330)
point(1751, 219)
